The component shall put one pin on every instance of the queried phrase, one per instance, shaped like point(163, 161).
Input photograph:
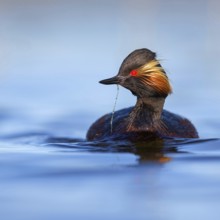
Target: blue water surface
point(53, 53)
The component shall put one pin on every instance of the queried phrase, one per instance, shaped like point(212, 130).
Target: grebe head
point(142, 74)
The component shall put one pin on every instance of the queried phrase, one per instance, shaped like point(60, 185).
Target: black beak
point(113, 80)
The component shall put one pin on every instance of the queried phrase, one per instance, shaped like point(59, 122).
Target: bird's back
point(170, 125)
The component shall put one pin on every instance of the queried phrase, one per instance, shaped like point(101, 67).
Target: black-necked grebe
point(143, 75)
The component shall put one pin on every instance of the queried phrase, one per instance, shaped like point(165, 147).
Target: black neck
point(152, 106)
point(146, 113)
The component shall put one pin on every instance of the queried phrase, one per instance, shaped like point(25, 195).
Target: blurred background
point(52, 55)
point(54, 52)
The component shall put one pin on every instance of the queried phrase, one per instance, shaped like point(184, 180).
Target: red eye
point(133, 73)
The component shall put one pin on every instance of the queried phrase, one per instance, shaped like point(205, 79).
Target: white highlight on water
point(113, 111)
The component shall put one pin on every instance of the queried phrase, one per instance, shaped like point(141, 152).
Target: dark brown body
point(169, 125)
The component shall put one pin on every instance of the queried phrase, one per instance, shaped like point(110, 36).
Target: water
point(45, 176)
point(53, 53)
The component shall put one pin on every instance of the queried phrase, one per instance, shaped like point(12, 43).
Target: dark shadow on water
point(157, 150)
point(153, 150)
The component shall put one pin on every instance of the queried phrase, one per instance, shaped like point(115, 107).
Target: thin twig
point(113, 111)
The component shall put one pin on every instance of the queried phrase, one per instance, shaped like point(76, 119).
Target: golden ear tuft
point(153, 75)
